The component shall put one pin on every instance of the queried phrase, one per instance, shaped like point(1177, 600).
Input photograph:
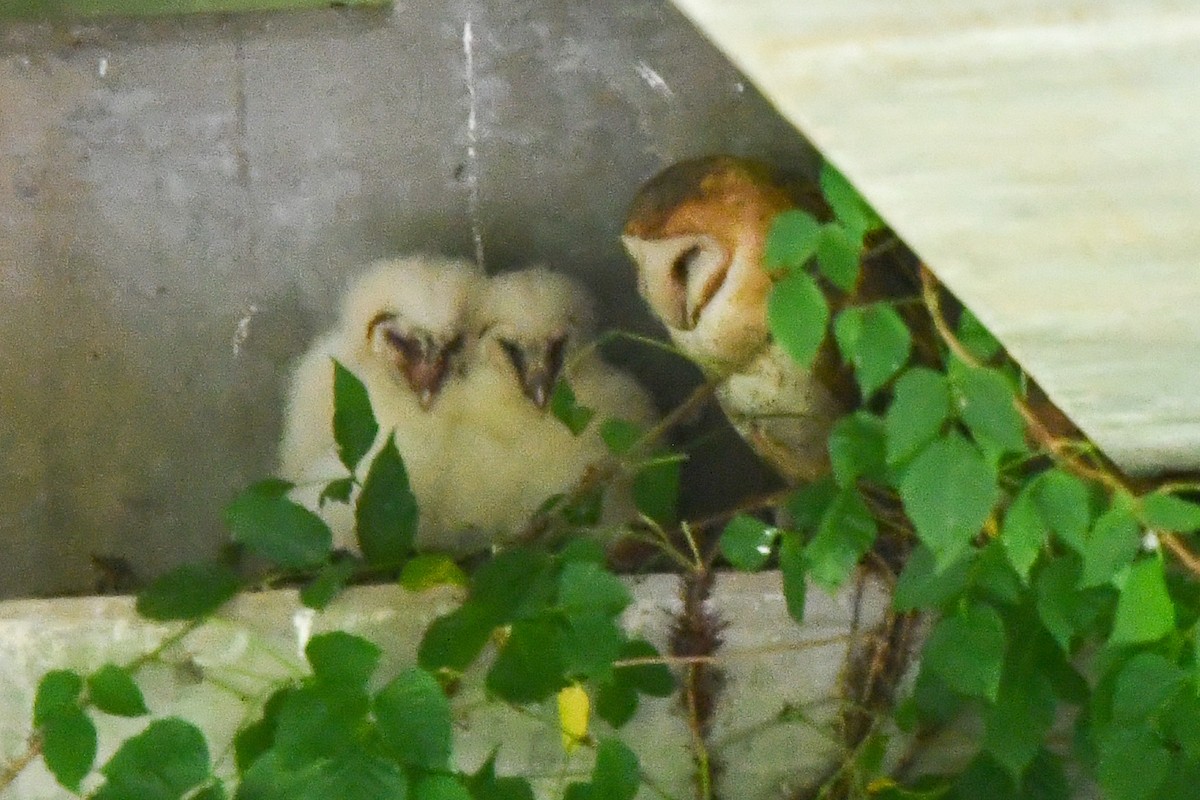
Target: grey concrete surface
point(181, 201)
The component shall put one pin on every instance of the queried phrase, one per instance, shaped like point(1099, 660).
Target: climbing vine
point(1035, 590)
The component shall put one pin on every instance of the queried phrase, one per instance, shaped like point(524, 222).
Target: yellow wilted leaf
point(574, 710)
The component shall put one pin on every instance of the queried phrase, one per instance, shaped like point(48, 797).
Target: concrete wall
point(181, 201)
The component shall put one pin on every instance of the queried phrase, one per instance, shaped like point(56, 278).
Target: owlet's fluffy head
point(412, 314)
point(530, 321)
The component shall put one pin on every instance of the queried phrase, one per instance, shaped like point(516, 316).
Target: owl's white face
point(710, 299)
point(696, 232)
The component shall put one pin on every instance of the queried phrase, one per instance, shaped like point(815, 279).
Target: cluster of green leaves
point(1030, 570)
point(68, 733)
point(559, 616)
point(553, 616)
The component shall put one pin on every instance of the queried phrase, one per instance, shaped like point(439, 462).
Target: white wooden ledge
point(769, 661)
point(1044, 159)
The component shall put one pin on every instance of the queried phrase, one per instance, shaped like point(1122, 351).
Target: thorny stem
point(1060, 449)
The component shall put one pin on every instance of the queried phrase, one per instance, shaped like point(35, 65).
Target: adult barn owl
point(696, 232)
point(404, 332)
point(508, 453)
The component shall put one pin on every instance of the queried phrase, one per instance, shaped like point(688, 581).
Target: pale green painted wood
point(76, 9)
point(1042, 157)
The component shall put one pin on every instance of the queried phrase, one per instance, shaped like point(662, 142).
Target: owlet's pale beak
point(538, 367)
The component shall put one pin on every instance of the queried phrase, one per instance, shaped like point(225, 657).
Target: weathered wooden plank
point(1043, 157)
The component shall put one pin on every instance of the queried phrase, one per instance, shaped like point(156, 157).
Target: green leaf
point(985, 403)
point(794, 567)
point(265, 520)
point(856, 448)
point(455, 640)
point(341, 660)
point(585, 587)
point(976, 338)
point(656, 490)
point(875, 340)
point(328, 584)
point(190, 591)
point(1063, 609)
point(616, 775)
point(923, 585)
point(350, 776)
point(315, 724)
point(1063, 500)
point(1046, 778)
point(529, 668)
point(620, 435)
point(797, 313)
point(1133, 763)
point(256, 738)
point(57, 694)
point(386, 513)
point(414, 719)
point(617, 701)
point(354, 426)
point(1111, 546)
point(591, 643)
point(1166, 512)
point(484, 784)
point(515, 582)
point(69, 747)
point(948, 491)
point(838, 255)
point(112, 690)
point(616, 704)
point(338, 491)
point(966, 651)
point(1024, 532)
point(215, 791)
point(747, 542)
point(1145, 612)
point(1016, 724)
point(655, 680)
point(427, 570)
point(919, 410)
point(792, 240)
point(567, 411)
point(1146, 683)
point(847, 532)
point(583, 549)
point(164, 762)
point(994, 578)
point(847, 204)
point(440, 787)
point(806, 506)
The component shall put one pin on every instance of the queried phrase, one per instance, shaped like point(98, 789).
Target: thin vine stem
point(1061, 450)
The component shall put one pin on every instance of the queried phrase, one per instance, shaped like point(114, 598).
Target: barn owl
point(404, 332)
point(696, 232)
point(509, 454)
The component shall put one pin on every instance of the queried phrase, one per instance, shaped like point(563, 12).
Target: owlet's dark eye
point(407, 347)
point(515, 354)
point(555, 354)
